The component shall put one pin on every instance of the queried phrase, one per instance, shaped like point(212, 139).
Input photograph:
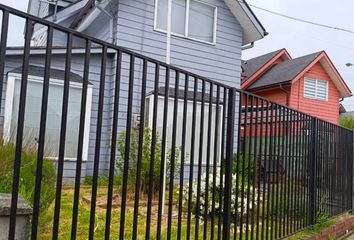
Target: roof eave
point(271, 86)
point(253, 30)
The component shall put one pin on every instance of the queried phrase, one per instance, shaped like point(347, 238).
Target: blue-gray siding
point(134, 30)
point(221, 62)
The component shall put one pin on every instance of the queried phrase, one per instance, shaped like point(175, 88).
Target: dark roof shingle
point(284, 71)
point(251, 66)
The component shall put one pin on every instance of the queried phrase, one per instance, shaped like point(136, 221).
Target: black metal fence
point(187, 157)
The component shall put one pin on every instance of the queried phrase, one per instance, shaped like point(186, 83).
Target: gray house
point(207, 39)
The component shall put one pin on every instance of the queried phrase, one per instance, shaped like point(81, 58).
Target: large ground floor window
point(189, 120)
point(54, 115)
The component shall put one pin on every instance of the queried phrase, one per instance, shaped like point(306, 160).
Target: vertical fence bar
point(348, 171)
point(98, 144)
point(285, 165)
point(326, 159)
point(223, 154)
point(183, 156)
point(291, 171)
point(313, 172)
point(294, 170)
point(63, 127)
point(191, 167)
point(275, 177)
point(127, 145)
point(264, 171)
point(140, 149)
point(243, 164)
point(297, 176)
point(152, 149)
point(307, 167)
point(278, 196)
point(258, 163)
point(239, 127)
point(229, 164)
point(254, 168)
point(249, 146)
point(215, 162)
point(42, 130)
point(80, 139)
point(20, 127)
point(163, 156)
point(269, 176)
point(351, 148)
point(283, 175)
point(333, 173)
point(302, 172)
point(206, 206)
point(114, 143)
point(200, 161)
point(173, 156)
point(273, 169)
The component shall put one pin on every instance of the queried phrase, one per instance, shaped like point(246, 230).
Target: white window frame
point(10, 89)
point(316, 81)
point(186, 28)
point(206, 106)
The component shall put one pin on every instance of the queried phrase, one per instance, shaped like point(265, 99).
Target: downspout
point(55, 11)
point(286, 94)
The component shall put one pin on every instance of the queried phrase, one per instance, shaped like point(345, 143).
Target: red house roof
point(268, 70)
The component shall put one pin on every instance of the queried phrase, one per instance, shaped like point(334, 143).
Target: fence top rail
point(117, 48)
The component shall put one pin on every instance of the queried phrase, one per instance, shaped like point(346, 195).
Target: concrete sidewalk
point(351, 237)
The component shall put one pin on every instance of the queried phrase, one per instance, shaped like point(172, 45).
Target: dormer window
point(316, 89)
point(191, 19)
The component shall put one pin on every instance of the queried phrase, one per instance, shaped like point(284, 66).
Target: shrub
point(145, 163)
point(235, 209)
point(245, 166)
point(27, 175)
point(347, 121)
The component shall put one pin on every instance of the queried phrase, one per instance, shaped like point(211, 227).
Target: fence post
point(312, 172)
point(351, 159)
point(228, 162)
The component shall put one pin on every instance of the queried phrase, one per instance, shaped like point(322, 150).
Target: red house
point(310, 84)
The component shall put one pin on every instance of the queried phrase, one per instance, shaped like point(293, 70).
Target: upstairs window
point(190, 18)
point(316, 89)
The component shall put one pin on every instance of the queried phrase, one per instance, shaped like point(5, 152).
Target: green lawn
point(46, 219)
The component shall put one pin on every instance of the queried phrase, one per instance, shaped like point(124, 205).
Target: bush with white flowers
point(237, 205)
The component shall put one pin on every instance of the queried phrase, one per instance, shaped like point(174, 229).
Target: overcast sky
point(298, 38)
point(301, 38)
